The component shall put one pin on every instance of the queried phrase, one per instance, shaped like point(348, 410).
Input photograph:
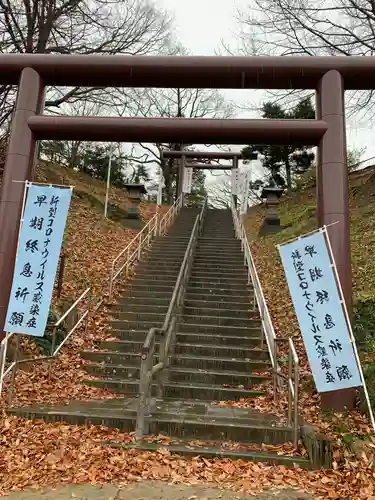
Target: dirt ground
point(148, 490)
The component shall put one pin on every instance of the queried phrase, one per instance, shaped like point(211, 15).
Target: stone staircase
point(219, 354)
point(143, 306)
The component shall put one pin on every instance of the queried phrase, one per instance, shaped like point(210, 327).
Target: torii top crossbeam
point(224, 72)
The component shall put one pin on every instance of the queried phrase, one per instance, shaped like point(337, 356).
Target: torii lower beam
point(208, 166)
point(177, 130)
point(202, 155)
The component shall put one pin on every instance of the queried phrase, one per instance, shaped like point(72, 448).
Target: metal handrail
point(268, 332)
point(12, 368)
point(133, 251)
point(360, 165)
point(169, 217)
point(167, 332)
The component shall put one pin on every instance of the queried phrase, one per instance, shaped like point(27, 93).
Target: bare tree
point(311, 27)
point(131, 27)
point(220, 191)
point(173, 103)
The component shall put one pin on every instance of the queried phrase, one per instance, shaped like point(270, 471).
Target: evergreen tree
point(284, 163)
point(198, 188)
point(95, 164)
point(140, 174)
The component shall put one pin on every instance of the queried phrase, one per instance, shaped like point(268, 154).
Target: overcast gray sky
point(200, 27)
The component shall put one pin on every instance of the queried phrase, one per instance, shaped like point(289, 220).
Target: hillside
point(298, 211)
point(91, 242)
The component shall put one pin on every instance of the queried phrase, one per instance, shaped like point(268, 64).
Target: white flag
point(160, 187)
point(245, 192)
point(187, 181)
point(235, 180)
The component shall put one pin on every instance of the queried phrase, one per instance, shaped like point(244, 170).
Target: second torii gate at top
point(196, 156)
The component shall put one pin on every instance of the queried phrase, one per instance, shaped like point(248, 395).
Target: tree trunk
point(288, 176)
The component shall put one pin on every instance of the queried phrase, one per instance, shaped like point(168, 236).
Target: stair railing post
point(274, 373)
point(145, 383)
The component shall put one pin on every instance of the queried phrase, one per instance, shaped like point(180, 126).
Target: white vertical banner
point(41, 234)
point(235, 180)
point(244, 191)
point(161, 185)
point(187, 181)
point(319, 307)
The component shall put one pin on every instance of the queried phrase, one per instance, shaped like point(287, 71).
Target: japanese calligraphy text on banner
point(39, 245)
point(320, 313)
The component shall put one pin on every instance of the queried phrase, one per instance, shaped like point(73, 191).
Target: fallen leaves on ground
point(37, 454)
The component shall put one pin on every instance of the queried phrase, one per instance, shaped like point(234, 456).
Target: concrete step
point(206, 238)
point(210, 254)
point(177, 374)
point(222, 340)
point(220, 241)
point(194, 449)
point(136, 325)
point(145, 316)
point(173, 246)
point(170, 244)
point(206, 392)
point(195, 428)
point(235, 274)
point(219, 377)
point(218, 311)
point(151, 307)
point(132, 343)
point(170, 254)
point(220, 264)
point(218, 302)
point(217, 426)
point(219, 276)
point(210, 295)
point(159, 265)
point(157, 275)
point(155, 285)
point(112, 358)
point(79, 415)
point(126, 334)
point(217, 321)
point(191, 325)
point(129, 301)
point(213, 350)
point(225, 249)
point(222, 285)
point(122, 372)
point(258, 362)
point(174, 390)
point(158, 291)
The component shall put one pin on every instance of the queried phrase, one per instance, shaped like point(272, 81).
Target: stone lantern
point(271, 223)
point(135, 193)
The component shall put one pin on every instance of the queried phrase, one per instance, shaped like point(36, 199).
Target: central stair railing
point(150, 371)
point(268, 332)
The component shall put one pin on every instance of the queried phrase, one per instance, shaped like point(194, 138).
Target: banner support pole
point(352, 338)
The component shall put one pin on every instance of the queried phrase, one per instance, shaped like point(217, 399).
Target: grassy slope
point(299, 210)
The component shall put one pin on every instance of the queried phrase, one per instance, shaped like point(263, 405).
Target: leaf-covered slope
point(298, 212)
point(91, 241)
